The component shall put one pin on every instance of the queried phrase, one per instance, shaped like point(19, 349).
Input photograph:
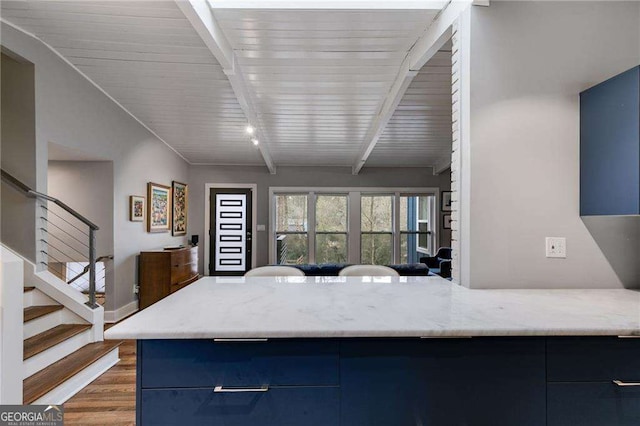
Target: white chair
point(368, 271)
point(275, 271)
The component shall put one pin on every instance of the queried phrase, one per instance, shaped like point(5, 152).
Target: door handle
point(624, 384)
point(222, 389)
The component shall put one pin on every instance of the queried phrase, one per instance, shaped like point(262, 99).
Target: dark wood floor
point(111, 398)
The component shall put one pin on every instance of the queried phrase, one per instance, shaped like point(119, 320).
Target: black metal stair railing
point(67, 240)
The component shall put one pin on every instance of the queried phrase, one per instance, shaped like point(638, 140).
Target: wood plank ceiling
point(419, 132)
point(316, 78)
point(319, 77)
point(149, 58)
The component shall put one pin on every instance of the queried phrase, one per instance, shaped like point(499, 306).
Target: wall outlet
point(556, 247)
point(136, 289)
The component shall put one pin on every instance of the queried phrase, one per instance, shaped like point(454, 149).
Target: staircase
point(61, 327)
point(60, 356)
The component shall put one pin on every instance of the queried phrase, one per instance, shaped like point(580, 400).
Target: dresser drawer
point(592, 404)
point(180, 257)
point(205, 363)
point(308, 406)
point(593, 359)
point(181, 273)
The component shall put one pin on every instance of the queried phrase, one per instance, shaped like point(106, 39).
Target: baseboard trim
point(121, 313)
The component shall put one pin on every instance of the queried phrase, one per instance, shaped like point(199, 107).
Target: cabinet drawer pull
point(221, 389)
point(239, 340)
point(621, 383)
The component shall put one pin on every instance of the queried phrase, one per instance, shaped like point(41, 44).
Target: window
point(291, 228)
point(386, 227)
point(426, 217)
point(331, 229)
point(376, 229)
point(417, 215)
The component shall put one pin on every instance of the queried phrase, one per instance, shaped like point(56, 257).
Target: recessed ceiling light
point(250, 129)
point(255, 141)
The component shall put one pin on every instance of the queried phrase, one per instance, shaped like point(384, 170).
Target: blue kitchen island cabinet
point(610, 146)
point(593, 381)
point(351, 382)
point(479, 381)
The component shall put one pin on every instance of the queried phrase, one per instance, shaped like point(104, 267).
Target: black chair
point(440, 263)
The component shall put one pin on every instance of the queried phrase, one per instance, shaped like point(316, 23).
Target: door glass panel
point(231, 233)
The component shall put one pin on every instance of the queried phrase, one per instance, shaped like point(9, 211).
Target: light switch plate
point(556, 247)
point(260, 227)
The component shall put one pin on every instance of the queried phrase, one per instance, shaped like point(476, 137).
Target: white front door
point(231, 233)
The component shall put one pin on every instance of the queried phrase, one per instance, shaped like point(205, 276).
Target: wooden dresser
point(163, 272)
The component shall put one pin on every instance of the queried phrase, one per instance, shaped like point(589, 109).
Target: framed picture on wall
point(180, 204)
point(136, 208)
point(446, 221)
point(446, 201)
point(158, 208)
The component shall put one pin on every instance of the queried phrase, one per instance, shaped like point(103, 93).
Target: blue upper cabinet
point(610, 146)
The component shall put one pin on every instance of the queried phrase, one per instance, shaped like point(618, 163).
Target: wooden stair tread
point(34, 312)
point(47, 339)
point(28, 289)
point(57, 373)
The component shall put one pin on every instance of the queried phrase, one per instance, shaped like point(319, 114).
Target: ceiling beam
point(441, 166)
point(399, 87)
point(437, 34)
point(199, 14)
point(432, 40)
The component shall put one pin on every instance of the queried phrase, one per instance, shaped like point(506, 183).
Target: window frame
point(392, 229)
point(275, 218)
point(431, 222)
point(354, 233)
point(316, 194)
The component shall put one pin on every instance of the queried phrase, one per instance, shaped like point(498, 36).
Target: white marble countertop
point(224, 307)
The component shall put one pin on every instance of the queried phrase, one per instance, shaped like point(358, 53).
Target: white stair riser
point(76, 383)
point(49, 321)
point(37, 298)
point(55, 353)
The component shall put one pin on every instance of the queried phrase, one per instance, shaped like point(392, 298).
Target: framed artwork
point(158, 208)
point(180, 204)
point(446, 221)
point(445, 201)
point(136, 208)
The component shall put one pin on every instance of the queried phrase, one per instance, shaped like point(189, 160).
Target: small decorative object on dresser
point(136, 208)
point(180, 205)
point(446, 221)
point(158, 210)
point(163, 272)
point(446, 201)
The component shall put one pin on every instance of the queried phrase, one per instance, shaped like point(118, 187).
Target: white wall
point(529, 62)
point(86, 187)
point(72, 113)
point(18, 155)
point(295, 176)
